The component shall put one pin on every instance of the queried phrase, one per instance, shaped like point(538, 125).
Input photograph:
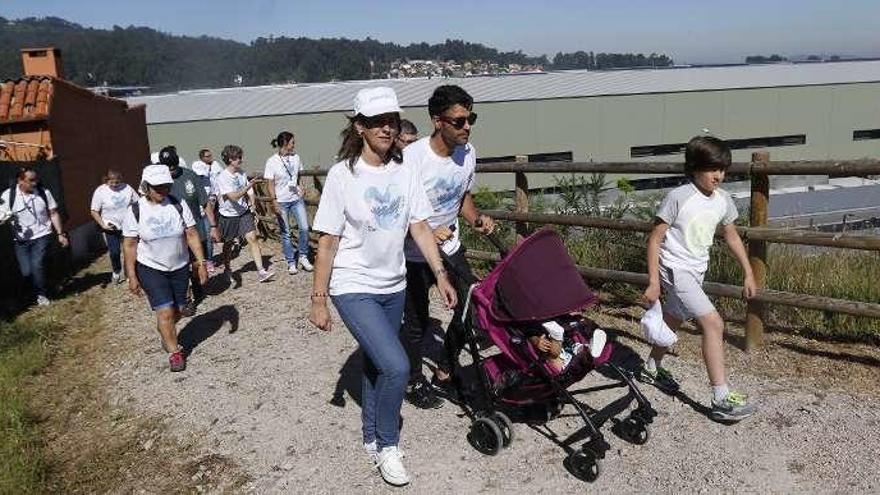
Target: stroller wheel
point(505, 426)
point(485, 436)
point(583, 465)
point(632, 430)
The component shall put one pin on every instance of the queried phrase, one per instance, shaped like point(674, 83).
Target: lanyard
point(286, 165)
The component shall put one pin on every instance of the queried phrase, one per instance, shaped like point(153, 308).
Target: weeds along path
point(270, 394)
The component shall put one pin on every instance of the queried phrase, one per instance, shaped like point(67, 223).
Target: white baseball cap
point(370, 102)
point(156, 175)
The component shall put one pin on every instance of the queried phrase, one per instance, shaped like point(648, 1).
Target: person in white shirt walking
point(236, 219)
point(160, 231)
point(369, 203)
point(282, 173)
point(33, 212)
point(208, 169)
point(446, 162)
point(110, 201)
point(678, 257)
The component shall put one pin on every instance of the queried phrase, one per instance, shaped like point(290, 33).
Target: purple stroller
point(535, 282)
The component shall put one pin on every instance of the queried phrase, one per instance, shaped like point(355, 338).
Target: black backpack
point(136, 208)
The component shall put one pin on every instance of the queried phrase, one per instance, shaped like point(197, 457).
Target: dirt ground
point(269, 404)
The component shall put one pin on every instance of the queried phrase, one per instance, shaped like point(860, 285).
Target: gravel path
point(261, 382)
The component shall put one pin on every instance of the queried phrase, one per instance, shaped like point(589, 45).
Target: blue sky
point(689, 31)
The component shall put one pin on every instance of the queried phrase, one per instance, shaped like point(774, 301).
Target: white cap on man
point(370, 102)
point(156, 175)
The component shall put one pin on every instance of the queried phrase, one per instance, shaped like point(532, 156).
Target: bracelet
point(319, 294)
point(213, 226)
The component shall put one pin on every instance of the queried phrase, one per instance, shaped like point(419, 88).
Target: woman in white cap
point(158, 228)
point(369, 203)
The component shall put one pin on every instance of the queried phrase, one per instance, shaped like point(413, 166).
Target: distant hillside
point(144, 56)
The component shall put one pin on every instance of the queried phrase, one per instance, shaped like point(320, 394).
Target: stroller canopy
point(538, 281)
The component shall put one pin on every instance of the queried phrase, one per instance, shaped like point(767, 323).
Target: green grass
point(23, 353)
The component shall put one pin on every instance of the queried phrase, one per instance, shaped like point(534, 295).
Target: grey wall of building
point(593, 128)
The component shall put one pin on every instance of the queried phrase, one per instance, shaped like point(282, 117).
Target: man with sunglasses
point(446, 162)
point(33, 213)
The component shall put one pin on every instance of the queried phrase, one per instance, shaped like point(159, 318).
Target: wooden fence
point(757, 235)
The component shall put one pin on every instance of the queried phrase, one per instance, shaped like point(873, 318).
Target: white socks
point(719, 392)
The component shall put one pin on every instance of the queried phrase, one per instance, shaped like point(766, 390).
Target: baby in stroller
point(566, 345)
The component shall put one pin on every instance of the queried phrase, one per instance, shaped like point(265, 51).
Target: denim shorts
point(164, 289)
point(685, 298)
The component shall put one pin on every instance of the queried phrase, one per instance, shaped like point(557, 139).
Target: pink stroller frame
point(535, 282)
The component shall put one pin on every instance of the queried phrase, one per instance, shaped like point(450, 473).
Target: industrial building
point(796, 111)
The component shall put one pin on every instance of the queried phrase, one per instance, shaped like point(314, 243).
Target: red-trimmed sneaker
point(177, 361)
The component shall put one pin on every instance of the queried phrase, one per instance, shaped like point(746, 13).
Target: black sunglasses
point(458, 122)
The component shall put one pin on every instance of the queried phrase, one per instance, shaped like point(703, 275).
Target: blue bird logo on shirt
point(386, 207)
point(446, 194)
point(163, 226)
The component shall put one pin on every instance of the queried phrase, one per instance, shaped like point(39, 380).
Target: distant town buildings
point(450, 68)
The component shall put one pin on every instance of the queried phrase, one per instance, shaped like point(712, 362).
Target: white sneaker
point(291, 268)
point(372, 451)
point(114, 277)
point(304, 263)
point(42, 301)
point(391, 468)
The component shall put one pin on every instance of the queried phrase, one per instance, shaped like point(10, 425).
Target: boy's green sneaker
point(661, 378)
point(733, 408)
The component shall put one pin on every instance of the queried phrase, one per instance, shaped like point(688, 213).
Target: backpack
point(136, 208)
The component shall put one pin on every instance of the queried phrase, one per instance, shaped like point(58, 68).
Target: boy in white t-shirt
point(678, 256)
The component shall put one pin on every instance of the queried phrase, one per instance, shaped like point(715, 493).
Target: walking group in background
point(388, 230)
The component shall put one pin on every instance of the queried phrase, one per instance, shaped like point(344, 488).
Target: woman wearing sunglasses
point(369, 203)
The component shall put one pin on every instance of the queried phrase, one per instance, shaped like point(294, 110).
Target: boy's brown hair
point(706, 153)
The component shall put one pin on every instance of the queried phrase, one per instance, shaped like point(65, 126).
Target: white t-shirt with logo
point(30, 214)
point(208, 171)
point(225, 183)
point(112, 204)
point(692, 218)
point(284, 171)
point(446, 179)
point(371, 211)
point(161, 228)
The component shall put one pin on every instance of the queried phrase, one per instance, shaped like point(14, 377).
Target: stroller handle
point(502, 250)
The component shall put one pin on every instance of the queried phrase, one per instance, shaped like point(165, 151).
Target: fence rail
point(757, 235)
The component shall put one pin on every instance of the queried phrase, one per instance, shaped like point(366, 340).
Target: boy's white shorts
point(685, 298)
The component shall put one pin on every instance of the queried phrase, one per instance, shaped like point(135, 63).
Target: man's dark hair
point(706, 153)
point(446, 97)
point(407, 127)
point(203, 152)
point(23, 171)
point(168, 156)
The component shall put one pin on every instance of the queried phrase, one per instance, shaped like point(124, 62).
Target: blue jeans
point(298, 208)
point(114, 248)
point(374, 321)
point(30, 256)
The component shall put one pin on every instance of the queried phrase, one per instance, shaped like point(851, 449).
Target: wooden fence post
point(522, 196)
point(758, 213)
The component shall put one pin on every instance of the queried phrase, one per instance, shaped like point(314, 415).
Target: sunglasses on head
point(390, 120)
point(458, 122)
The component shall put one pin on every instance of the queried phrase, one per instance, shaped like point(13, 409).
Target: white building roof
point(290, 99)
